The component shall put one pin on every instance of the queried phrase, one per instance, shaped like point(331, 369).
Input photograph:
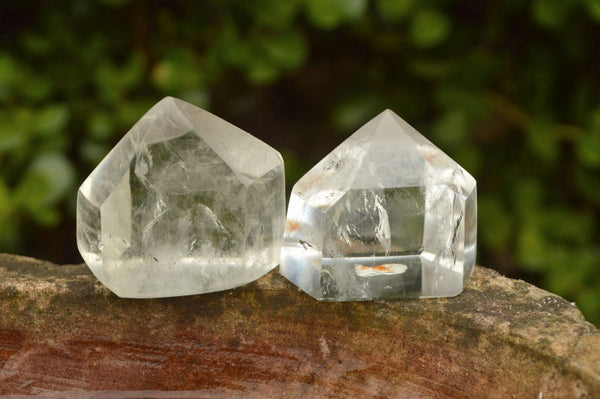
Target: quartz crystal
point(385, 215)
point(186, 203)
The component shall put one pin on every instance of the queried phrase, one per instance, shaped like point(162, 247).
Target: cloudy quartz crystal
point(385, 215)
point(186, 203)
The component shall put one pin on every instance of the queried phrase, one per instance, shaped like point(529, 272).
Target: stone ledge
point(63, 334)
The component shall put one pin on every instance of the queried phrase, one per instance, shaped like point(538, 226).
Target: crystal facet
point(385, 215)
point(185, 203)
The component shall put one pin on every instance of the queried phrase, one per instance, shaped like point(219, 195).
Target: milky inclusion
point(185, 203)
point(385, 215)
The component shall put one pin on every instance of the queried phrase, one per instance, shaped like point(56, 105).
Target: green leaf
point(550, 13)
point(276, 13)
point(286, 49)
point(101, 125)
point(532, 249)
point(354, 112)
point(178, 71)
point(8, 75)
point(57, 171)
point(593, 8)
point(47, 180)
point(93, 152)
point(452, 127)
point(456, 98)
point(588, 146)
point(114, 3)
point(588, 302)
point(8, 226)
point(328, 14)
point(6, 206)
point(588, 184)
point(200, 98)
point(430, 68)
point(395, 10)
point(429, 28)
point(527, 194)
point(52, 119)
point(469, 157)
point(36, 87)
point(129, 112)
point(262, 72)
point(495, 225)
point(36, 44)
point(542, 140)
point(11, 137)
point(567, 225)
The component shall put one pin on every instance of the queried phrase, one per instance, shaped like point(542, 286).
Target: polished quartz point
point(385, 215)
point(186, 203)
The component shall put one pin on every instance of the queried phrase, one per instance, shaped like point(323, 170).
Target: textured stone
point(64, 335)
point(385, 215)
point(186, 203)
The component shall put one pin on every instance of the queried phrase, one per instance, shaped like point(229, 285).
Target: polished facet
point(385, 215)
point(186, 203)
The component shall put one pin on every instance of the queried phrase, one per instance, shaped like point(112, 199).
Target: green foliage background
point(509, 88)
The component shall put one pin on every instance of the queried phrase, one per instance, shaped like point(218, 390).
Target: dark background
point(510, 89)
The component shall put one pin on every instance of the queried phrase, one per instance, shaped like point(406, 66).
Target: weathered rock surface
point(62, 334)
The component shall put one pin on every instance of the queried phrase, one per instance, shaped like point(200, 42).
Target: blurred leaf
point(5, 202)
point(328, 14)
point(8, 75)
point(52, 119)
point(10, 137)
point(200, 98)
point(36, 87)
point(526, 194)
point(261, 72)
point(495, 225)
point(178, 71)
point(469, 158)
point(588, 146)
point(129, 112)
point(430, 69)
point(354, 112)
point(452, 127)
point(101, 125)
point(47, 180)
point(588, 185)
point(567, 225)
point(395, 10)
point(8, 233)
point(556, 278)
point(93, 152)
point(469, 103)
point(287, 49)
point(114, 3)
point(531, 248)
point(542, 140)
point(276, 13)
point(231, 49)
point(550, 13)
point(588, 301)
point(593, 8)
point(429, 27)
point(58, 173)
point(36, 44)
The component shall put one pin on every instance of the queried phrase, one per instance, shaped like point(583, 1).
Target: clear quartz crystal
point(385, 215)
point(185, 203)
